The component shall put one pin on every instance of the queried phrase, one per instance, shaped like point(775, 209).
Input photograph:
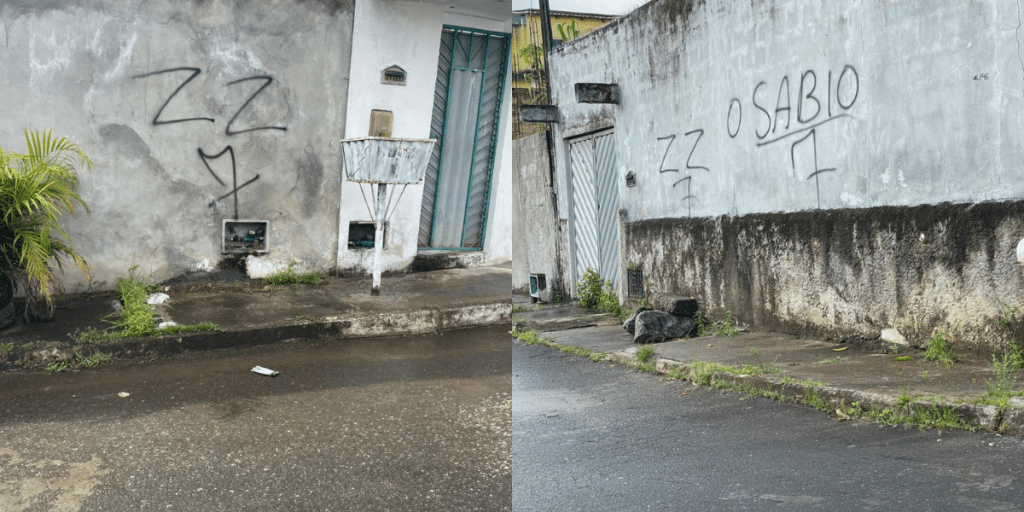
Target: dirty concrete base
point(250, 313)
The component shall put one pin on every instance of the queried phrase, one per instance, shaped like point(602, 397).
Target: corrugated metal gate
point(467, 106)
point(595, 201)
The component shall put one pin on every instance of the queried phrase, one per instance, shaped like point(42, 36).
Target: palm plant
point(36, 189)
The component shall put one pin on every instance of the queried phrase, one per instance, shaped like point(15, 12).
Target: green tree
point(37, 188)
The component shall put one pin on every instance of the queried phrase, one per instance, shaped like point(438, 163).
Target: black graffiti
point(234, 175)
point(671, 139)
point(808, 94)
point(839, 87)
point(246, 104)
point(735, 102)
point(808, 112)
point(229, 129)
point(814, 152)
point(156, 118)
point(700, 133)
point(689, 178)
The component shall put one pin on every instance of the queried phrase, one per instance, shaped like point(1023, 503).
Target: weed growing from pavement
point(1014, 347)
point(57, 367)
point(5, 348)
point(701, 322)
point(289, 277)
point(904, 398)
point(644, 353)
point(814, 399)
point(93, 360)
point(725, 327)
point(1000, 390)
point(832, 360)
point(902, 359)
point(136, 319)
point(940, 349)
point(641, 358)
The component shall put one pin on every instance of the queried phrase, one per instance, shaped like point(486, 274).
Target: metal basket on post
point(384, 161)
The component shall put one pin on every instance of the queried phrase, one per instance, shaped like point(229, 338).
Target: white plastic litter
point(123, 394)
point(265, 371)
point(164, 325)
point(157, 298)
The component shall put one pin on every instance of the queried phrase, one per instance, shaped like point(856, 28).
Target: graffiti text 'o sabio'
point(810, 102)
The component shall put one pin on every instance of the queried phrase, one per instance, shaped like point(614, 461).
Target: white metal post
point(378, 239)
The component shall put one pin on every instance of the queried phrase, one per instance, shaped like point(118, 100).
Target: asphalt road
point(592, 437)
point(408, 423)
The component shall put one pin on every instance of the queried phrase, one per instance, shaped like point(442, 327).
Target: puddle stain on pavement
point(50, 484)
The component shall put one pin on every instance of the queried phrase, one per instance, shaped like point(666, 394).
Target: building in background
point(528, 72)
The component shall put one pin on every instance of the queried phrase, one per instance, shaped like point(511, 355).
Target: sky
point(587, 6)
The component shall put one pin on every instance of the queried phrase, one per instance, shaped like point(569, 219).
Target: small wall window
point(393, 76)
point(361, 235)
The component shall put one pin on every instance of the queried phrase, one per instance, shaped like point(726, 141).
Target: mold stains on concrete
point(331, 6)
point(844, 274)
point(309, 180)
point(126, 141)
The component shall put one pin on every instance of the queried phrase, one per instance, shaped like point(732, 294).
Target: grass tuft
point(289, 277)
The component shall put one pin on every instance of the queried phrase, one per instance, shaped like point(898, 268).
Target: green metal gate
point(467, 108)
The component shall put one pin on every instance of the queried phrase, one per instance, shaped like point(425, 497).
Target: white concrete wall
point(389, 33)
point(408, 34)
point(913, 102)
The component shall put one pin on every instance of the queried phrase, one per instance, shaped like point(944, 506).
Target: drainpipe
point(545, 35)
point(545, 31)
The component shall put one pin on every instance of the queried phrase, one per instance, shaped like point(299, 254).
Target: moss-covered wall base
point(845, 274)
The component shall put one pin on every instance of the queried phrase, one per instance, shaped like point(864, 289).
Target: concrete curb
point(386, 324)
point(983, 417)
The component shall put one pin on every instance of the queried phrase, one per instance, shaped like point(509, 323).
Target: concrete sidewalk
point(855, 373)
point(251, 313)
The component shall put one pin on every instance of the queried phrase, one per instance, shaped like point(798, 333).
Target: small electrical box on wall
point(245, 237)
point(381, 122)
point(362, 235)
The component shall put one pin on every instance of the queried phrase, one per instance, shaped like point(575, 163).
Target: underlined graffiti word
point(796, 120)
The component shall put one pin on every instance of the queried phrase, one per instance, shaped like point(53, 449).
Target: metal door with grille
point(595, 200)
point(467, 107)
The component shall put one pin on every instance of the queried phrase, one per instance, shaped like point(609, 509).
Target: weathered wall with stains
point(149, 87)
point(537, 237)
point(790, 155)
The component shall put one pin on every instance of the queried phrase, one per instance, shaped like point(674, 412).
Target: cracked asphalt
point(403, 423)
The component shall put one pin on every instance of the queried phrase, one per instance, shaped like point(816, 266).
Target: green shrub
point(37, 189)
point(589, 289)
